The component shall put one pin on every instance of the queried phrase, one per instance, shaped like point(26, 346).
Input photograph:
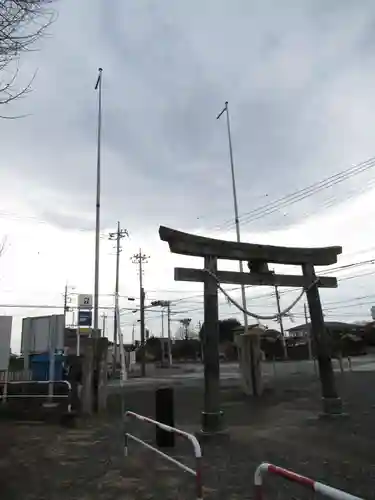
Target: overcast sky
point(299, 79)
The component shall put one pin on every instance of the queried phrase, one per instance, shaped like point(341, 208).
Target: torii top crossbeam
point(200, 246)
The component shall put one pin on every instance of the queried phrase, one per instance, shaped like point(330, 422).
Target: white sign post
point(5, 336)
point(84, 303)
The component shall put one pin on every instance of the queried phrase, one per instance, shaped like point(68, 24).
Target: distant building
point(332, 327)
point(271, 333)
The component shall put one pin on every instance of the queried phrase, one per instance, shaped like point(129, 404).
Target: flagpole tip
point(226, 103)
point(99, 79)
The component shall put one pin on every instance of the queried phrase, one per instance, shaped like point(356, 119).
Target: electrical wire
point(198, 295)
point(334, 200)
point(345, 301)
point(283, 292)
point(190, 310)
point(299, 195)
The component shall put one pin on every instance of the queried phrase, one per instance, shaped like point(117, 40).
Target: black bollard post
point(164, 413)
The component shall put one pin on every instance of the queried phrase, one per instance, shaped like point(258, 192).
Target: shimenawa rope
point(259, 316)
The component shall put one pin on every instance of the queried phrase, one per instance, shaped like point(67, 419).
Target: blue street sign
point(85, 318)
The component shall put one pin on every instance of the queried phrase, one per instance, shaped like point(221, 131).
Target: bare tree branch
point(22, 24)
point(3, 246)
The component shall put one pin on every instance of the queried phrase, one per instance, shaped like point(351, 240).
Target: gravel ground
point(87, 463)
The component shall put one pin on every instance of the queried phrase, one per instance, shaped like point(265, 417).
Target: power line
point(269, 295)
point(272, 294)
point(198, 295)
point(334, 200)
point(300, 194)
point(195, 309)
point(348, 266)
point(358, 304)
point(353, 299)
point(356, 276)
point(43, 306)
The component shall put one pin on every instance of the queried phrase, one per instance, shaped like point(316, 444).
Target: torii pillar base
point(332, 408)
point(212, 423)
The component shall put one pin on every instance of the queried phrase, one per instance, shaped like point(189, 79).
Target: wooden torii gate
point(258, 258)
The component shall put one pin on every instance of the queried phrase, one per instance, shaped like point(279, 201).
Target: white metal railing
point(5, 396)
point(315, 486)
point(15, 375)
point(197, 473)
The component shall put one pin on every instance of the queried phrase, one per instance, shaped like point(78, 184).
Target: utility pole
point(162, 337)
point(167, 304)
point(169, 334)
point(142, 325)
point(67, 300)
point(65, 303)
point(185, 323)
point(104, 318)
point(117, 236)
point(133, 334)
point(305, 311)
point(280, 320)
point(140, 258)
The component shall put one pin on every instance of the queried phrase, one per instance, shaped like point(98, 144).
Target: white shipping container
point(5, 337)
point(40, 331)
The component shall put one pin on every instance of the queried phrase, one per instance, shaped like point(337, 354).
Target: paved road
point(191, 374)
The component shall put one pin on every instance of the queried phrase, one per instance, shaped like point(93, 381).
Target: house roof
point(328, 324)
point(271, 333)
point(249, 327)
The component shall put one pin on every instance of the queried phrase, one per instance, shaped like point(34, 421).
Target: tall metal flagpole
point(236, 218)
point(98, 86)
point(238, 234)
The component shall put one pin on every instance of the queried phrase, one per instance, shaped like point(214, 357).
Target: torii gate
point(258, 258)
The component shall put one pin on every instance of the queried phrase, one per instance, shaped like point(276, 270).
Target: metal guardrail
point(314, 486)
point(197, 473)
point(15, 375)
point(5, 396)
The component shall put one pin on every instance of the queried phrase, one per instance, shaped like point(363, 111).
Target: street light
point(98, 86)
point(235, 202)
point(238, 235)
point(167, 304)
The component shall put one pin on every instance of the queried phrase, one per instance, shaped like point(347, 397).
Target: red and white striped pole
point(198, 477)
point(306, 482)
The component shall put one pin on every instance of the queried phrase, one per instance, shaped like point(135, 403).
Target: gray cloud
point(297, 75)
